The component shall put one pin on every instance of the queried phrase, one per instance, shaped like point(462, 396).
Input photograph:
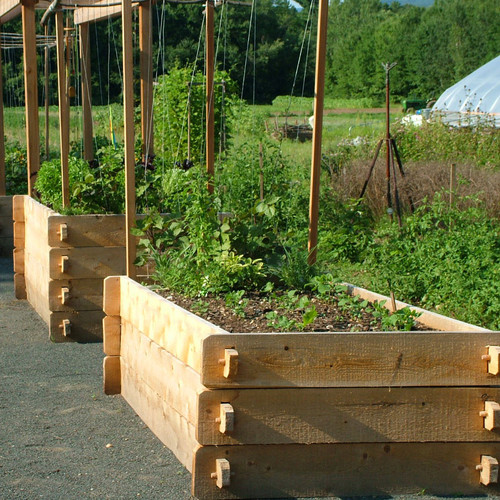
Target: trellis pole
point(146, 63)
point(88, 145)
point(47, 115)
point(62, 92)
point(31, 92)
point(128, 120)
point(209, 55)
point(319, 92)
point(2, 143)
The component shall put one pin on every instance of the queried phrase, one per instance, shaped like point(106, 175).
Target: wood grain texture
point(111, 295)
point(88, 262)
point(111, 335)
point(86, 326)
point(178, 331)
point(339, 415)
point(88, 230)
point(20, 287)
point(175, 382)
point(294, 470)
point(377, 359)
point(18, 230)
point(173, 430)
point(17, 207)
point(428, 318)
point(84, 294)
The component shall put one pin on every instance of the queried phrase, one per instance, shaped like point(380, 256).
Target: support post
point(146, 63)
point(2, 143)
point(46, 64)
point(319, 94)
point(31, 91)
point(209, 51)
point(88, 145)
point(63, 107)
point(128, 120)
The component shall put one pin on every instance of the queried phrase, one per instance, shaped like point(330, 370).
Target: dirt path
point(56, 425)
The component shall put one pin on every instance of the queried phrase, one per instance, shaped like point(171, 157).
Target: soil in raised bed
point(253, 313)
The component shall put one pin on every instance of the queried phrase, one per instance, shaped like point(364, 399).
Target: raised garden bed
point(6, 226)
point(60, 262)
point(256, 415)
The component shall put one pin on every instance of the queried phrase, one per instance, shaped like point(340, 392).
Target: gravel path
point(60, 436)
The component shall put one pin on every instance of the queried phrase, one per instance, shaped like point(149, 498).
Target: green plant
point(403, 319)
point(236, 302)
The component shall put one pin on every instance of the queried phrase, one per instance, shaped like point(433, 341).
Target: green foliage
point(443, 258)
point(16, 181)
point(236, 301)
point(171, 109)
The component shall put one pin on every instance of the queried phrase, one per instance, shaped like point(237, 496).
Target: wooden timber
point(336, 470)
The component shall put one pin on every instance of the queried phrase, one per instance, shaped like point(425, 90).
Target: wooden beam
point(2, 143)
point(31, 91)
point(63, 107)
point(209, 56)
point(6, 6)
point(146, 62)
point(47, 115)
point(128, 120)
point(375, 359)
point(84, 14)
point(319, 93)
point(88, 144)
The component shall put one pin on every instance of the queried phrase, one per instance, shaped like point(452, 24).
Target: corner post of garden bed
point(128, 120)
point(319, 94)
point(31, 91)
point(111, 326)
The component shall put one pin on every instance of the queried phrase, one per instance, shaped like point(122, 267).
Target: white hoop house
point(473, 100)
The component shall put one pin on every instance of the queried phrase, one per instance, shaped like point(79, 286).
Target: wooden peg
point(491, 415)
point(226, 418)
point(493, 358)
point(66, 327)
point(64, 295)
point(64, 263)
point(230, 363)
point(222, 473)
point(63, 232)
point(488, 469)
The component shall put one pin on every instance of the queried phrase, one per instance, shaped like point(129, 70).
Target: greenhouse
point(474, 99)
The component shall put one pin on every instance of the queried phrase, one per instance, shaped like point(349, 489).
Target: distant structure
point(473, 100)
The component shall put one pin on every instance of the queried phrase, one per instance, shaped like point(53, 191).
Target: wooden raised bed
point(308, 414)
point(60, 263)
point(6, 226)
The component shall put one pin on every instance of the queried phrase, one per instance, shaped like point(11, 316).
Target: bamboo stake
point(146, 63)
point(317, 131)
point(63, 107)
point(209, 50)
point(453, 182)
point(261, 171)
point(2, 143)
point(128, 120)
point(31, 92)
point(88, 133)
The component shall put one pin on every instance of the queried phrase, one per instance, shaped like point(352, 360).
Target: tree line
point(269, 48)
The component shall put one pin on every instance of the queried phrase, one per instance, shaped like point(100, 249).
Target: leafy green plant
point(236, 302)
point(403, 319)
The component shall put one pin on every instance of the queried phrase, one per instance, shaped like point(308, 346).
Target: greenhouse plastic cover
point(474, 99)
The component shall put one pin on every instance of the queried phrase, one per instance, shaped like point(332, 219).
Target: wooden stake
point(88, 144)
point(128, 120)
point(46, 54)
point(2, 144)
point(261, 175)
point(209, 51)
point(31, 91)
point(317, 131)
point(146, 62)
point(63, 107)
point(453, 182)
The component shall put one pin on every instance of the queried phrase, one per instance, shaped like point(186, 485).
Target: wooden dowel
point(128, 120)
point(317, 131)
